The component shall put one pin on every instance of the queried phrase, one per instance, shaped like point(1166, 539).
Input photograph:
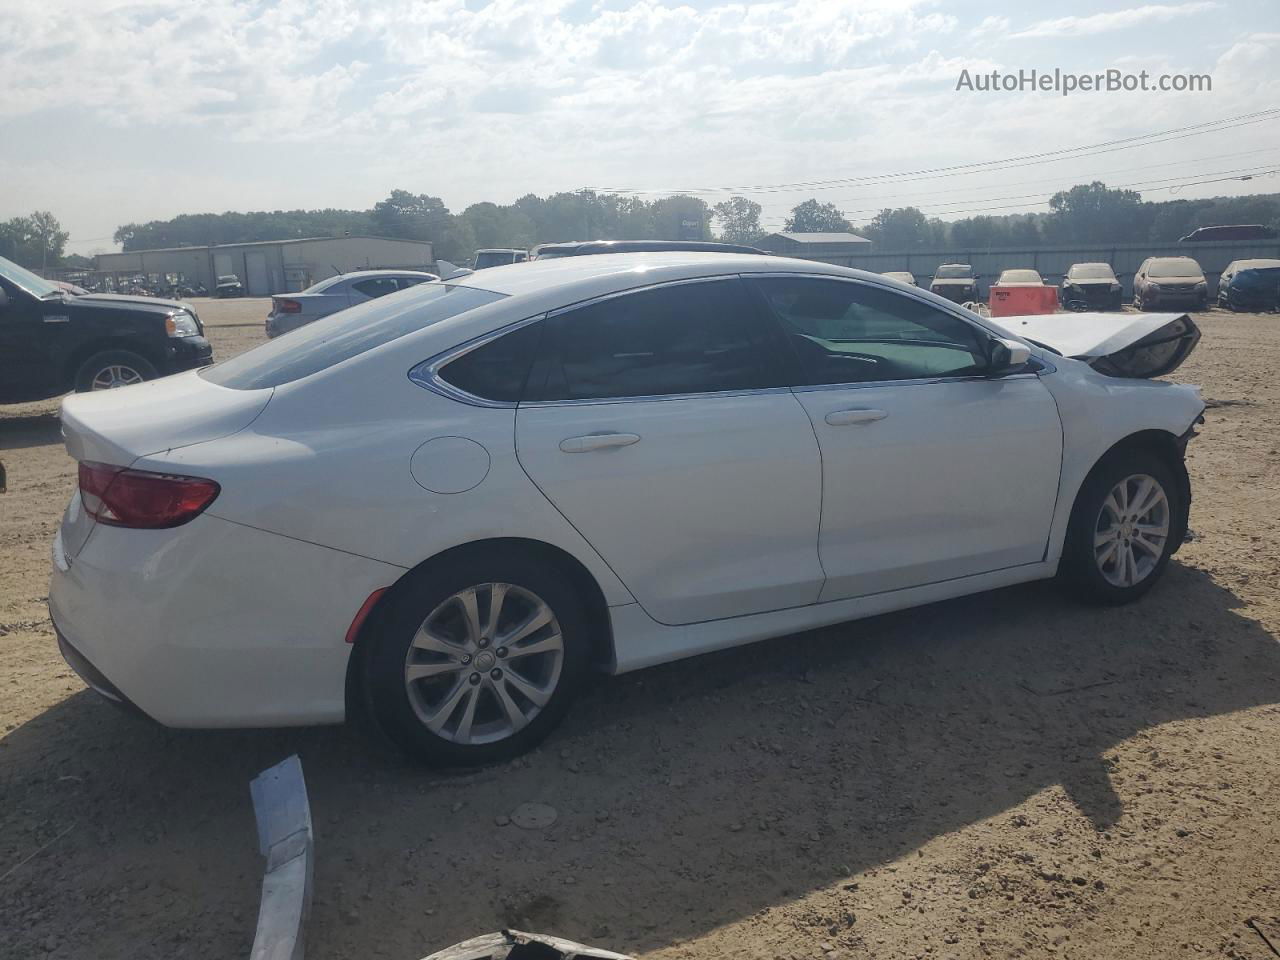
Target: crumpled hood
point(1119, 344)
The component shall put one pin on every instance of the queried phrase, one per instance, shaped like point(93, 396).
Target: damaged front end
point(1134, 345)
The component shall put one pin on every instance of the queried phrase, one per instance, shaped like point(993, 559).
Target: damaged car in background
point(1090, 286)
point(445, 508)
point(1250, 285)
point(955, 281)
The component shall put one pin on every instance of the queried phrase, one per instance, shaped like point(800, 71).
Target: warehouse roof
point(260, 243)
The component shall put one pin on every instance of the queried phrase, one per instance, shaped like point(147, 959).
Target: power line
point(1008, 163)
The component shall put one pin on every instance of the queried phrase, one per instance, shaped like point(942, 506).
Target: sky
point(116, 112)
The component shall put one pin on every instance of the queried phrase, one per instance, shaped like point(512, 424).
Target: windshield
point(1020, 276)
point(954, 271)
point(1176, 267)
point(26, 279)
point(1091, 271)
point(493, 258)
point(345, 334)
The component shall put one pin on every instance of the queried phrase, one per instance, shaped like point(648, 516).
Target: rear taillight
point(288, 306)
point(140, 499)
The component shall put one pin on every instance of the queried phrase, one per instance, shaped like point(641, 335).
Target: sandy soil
point(1004, 775)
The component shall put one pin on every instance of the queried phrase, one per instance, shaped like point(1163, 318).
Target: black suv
point(52, 342)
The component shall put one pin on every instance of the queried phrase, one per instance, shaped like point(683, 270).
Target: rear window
point(343, 335)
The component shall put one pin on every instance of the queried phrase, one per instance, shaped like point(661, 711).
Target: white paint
point(449, 465)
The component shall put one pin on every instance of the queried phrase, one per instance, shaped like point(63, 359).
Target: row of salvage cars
point(1159, 283)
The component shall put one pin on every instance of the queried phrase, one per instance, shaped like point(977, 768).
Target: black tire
point(97, 364)
point(418, 596)
point(1080, 569)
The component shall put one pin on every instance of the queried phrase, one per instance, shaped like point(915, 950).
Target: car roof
point(501, 250)
point(365, 274)
point(599, 274)
point(590, 247)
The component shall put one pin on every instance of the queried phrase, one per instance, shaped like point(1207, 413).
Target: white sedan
point(447, 506)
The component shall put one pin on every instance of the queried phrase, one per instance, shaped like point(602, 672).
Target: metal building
point(270, 266)
point(837, 248)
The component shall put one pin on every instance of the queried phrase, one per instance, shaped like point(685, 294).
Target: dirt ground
point(1004, 775)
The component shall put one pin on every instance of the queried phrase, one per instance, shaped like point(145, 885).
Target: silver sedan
point(337, 293)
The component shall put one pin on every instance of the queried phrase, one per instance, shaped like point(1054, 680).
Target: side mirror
point(1007, 357)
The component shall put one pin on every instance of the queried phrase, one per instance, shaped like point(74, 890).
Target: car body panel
point(256, 645)
point(973, 466)
point(671, 513)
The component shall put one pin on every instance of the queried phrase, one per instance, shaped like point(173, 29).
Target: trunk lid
point(119, 426)
point(1141, 345)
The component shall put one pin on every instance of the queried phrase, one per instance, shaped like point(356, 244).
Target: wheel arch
point(595, 606)
point(1169, 448)
point(76, 358)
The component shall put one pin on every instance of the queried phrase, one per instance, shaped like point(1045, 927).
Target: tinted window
point(852, 333)
point(498, 370)
point(343, 335)
point(682, 338)
point(407, 282)
point(376, 286)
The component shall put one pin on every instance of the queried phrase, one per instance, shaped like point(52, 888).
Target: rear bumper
point(212, 624)
point(93, 678)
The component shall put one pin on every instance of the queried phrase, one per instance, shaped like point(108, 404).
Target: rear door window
point(375, 286)
point(683, 338)
point(343, 335)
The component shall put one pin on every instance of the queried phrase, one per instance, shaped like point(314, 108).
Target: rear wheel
point(478, 661)
point(113, 368)
point(1122, 529)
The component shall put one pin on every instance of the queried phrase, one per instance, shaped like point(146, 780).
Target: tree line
point(1086, 213)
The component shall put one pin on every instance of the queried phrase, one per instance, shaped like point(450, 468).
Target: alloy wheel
point(1131, 530)
point(484, 663)
point(115, 375)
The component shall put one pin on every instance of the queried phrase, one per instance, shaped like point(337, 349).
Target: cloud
point(1115, 20)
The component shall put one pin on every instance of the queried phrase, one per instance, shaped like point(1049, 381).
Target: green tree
point(904, 228)
point(1088, 212)
point(739, 220)
point(37, 240)
point(413, 216)
point(814, 217)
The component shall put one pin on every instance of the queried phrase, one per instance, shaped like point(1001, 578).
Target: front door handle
point(842, 418)
point(598, 441)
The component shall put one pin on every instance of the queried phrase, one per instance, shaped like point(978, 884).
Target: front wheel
point(113, 368)
point(1123, 528)
point(478, 661)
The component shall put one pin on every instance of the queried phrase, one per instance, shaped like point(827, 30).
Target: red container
point(1022, 301)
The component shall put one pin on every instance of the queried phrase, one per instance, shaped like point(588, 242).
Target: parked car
point(902, 276)
point(499, 256)
point(1163, 282)
point(228, 285)
point(585, 248)
point(337, 293)
point(446, 507)
point(1090, 285)
point(1019, 278)
point(955, 281)
point(1250, 285)
point(52, 342)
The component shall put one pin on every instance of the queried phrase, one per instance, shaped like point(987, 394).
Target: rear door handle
point(598, 441)
point(843, 418)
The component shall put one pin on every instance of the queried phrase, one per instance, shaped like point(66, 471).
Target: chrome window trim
point(426, 374)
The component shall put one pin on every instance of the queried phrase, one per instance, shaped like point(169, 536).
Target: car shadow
point(688, 795)
point(19, 431)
